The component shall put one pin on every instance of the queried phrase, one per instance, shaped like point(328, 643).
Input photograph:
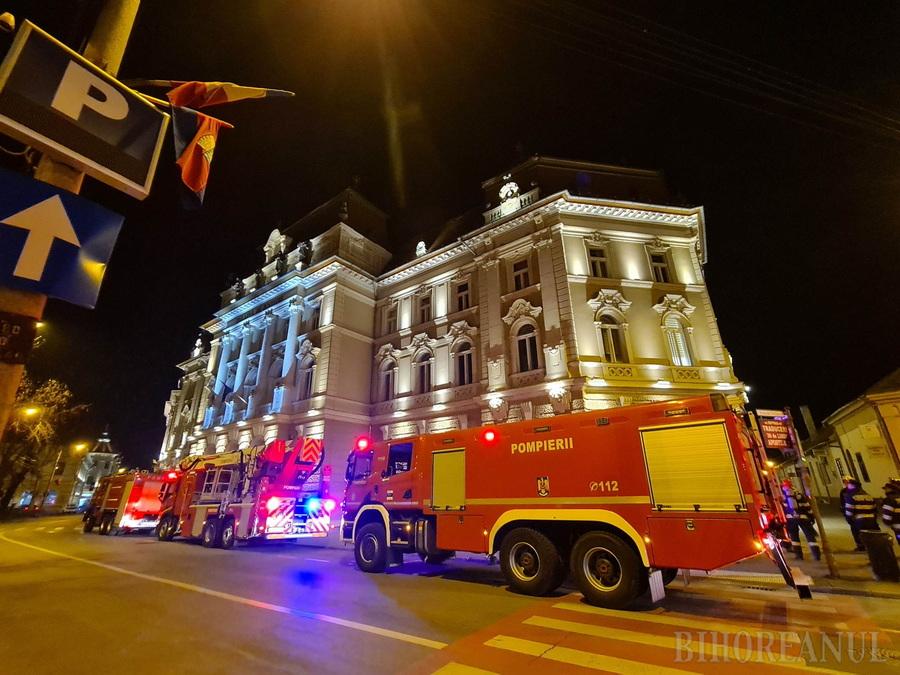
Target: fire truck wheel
point(209, 537)
point(370, 548)
point(105, 525)
point(669, 574)
point(227, 534)
point(607, 570)
point(88, 524)
point(166, 528)
point(530, 562)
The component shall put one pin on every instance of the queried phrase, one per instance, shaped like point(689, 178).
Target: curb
point(775, 581)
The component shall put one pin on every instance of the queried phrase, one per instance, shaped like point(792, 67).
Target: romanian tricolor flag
point(203, 94)
point(195, 143)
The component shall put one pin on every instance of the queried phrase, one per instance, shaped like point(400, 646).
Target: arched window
point(526, 348)
point(676, 330)
point(462, 361)
point(386, 380)
point(422, 373)
point(611, 334)
point(305, 377)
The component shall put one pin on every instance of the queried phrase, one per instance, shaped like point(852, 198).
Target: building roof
point(889, 383)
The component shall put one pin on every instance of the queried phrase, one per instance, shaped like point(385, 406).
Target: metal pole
point(50, 480)
point(105, 48)
point(803, 475)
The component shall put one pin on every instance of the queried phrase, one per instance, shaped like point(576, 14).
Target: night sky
point(802, 201)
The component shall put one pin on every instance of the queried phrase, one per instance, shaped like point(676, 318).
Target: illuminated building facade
point(576, 288)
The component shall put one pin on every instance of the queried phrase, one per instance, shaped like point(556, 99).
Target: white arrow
point(45, 221)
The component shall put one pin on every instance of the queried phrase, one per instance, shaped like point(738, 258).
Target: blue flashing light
point(313, 505)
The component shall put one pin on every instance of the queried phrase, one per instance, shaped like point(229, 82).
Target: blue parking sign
point(52, 241)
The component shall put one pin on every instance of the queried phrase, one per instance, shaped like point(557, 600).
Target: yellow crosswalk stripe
point(724, 652)
point(578, 657)
point(787, 636)
point(454, 668)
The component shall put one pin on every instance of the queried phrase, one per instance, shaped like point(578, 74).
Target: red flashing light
point(329, 505)
point(363, 443)
point(172, 475)
point(273, 503)
point(489, 436)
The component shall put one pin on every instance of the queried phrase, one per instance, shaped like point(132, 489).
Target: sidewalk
point(856, 576)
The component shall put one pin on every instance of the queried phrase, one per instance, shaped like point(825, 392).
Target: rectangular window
point(659, 265)
point(390, 319)
point(223, 482)
point(521, 278)
point(862, 467)
point(598, 261)
point(399, 458)
point(209, 482)
point(424, 308)
point(462, 296)
point(464, 368)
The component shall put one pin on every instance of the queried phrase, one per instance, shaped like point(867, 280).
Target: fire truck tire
point(105, 524)
point(531, 562)
point(209, 536)
point(669, 574)
point(370, 548)
point(88, 524)
point(226, 535)
point(607, 571)
point(165, 531)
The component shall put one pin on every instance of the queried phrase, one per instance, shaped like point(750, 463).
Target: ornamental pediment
point(420, 340)
point(609, 299)
point(460, 329)
point(520, 308)
point(673, 302)
point(385, 351)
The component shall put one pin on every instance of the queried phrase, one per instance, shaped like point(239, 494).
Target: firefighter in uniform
point(890, 507)
point(859, 511)
point(798, 512)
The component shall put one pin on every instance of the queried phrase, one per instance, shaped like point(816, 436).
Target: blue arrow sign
point(53, 242)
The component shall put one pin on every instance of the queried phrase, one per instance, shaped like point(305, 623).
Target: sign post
point(779, 433)
point(105, 49)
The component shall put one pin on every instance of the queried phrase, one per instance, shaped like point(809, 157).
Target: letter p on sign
point(78, 90)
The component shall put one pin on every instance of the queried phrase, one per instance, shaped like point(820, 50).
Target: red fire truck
point(621, 498)
point(262, 492)
point(126, 502)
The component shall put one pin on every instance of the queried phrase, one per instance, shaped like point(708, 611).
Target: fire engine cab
point(620, 498)
point(262, 492)
point(125, 502)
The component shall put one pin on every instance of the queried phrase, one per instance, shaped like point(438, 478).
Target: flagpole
point(105, 48)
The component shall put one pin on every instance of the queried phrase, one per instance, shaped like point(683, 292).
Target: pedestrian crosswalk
point(694, 631)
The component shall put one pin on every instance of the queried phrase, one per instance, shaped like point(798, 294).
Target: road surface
point(82, 603)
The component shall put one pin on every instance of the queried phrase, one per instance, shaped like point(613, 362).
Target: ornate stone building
point(578, 287)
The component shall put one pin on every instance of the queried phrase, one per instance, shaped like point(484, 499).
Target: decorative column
point(241, 373)
point(290, 345)
point(225, 354)
point(265, 356)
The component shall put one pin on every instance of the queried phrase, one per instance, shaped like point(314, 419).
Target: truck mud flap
point(793, 577)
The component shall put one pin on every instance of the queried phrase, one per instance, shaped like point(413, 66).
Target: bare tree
point(27, 444)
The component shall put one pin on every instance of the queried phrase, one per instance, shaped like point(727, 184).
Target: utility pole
point(105, 48)
point(803, 474)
